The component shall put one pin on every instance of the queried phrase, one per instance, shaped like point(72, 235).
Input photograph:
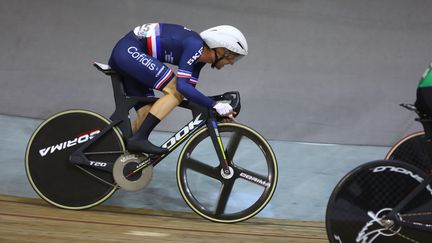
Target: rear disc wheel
point(60, 182)
point(359, 203)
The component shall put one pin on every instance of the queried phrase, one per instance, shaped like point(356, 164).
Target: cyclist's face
point(232, 57)
point(229, 57)
point(220, 64)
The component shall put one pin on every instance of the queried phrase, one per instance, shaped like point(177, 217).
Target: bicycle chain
point(148, 162)
point(95, 176)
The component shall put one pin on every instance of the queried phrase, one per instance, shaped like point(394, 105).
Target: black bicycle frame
point(120, 118)
point(393, 215)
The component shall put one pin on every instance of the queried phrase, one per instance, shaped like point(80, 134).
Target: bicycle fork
point(218, 145)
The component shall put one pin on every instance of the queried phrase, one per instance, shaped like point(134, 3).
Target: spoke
point(233, 145)
point(202, 168)
point(261, 180)
point(226, 190)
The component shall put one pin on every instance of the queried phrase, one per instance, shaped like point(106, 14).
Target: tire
point(413, 150)
point(49, 171)
point(234, 199)
point(374, 189)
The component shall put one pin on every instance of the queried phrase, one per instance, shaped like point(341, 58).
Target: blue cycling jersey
point(141, 53)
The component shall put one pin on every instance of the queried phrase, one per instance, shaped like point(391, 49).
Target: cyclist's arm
point(187, 77)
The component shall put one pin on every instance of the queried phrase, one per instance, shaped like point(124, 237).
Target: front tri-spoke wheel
point(227, 197)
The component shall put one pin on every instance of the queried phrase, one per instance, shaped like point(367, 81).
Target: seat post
point(118, 89)
point(122, 104)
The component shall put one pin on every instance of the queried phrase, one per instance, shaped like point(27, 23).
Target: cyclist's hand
point(229, 119)
point(224, 109)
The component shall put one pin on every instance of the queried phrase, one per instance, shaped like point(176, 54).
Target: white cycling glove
point(223, 109)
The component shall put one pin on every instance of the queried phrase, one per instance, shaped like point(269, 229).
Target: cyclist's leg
point(158, 111)
point(130, 59)
point(141, 115)
point(168, 102)
point(134, 88)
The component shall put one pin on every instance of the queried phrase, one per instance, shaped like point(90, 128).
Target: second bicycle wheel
point(412, 149)
point(359, 203)
point(227, 199)
point(60, 182)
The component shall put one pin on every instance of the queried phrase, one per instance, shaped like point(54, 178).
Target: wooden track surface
point(33, 220)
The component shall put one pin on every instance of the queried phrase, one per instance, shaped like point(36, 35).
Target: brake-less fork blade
point(217, 142)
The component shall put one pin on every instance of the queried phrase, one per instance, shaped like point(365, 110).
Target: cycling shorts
point(142, 72)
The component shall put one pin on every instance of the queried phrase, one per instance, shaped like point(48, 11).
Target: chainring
point(125, 165)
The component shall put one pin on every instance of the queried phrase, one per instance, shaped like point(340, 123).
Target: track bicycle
point(76, 159)
point(413, 148)
point(385, 201)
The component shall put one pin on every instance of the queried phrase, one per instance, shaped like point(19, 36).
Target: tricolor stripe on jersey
point(163, 79)
point(151, 33)
point(184, 74)
point(193, 80)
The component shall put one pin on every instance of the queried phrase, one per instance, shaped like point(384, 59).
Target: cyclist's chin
point(219, 67)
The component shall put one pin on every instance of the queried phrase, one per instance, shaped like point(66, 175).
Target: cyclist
point(424, 100)
point(140, 56)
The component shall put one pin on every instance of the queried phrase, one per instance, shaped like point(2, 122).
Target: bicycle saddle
point(410, 107)
point(105, 68)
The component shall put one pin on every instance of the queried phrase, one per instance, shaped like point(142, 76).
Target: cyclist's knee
point(171, 90)
point(178, 96)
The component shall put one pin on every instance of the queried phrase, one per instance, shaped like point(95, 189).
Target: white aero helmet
point(226, 36)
